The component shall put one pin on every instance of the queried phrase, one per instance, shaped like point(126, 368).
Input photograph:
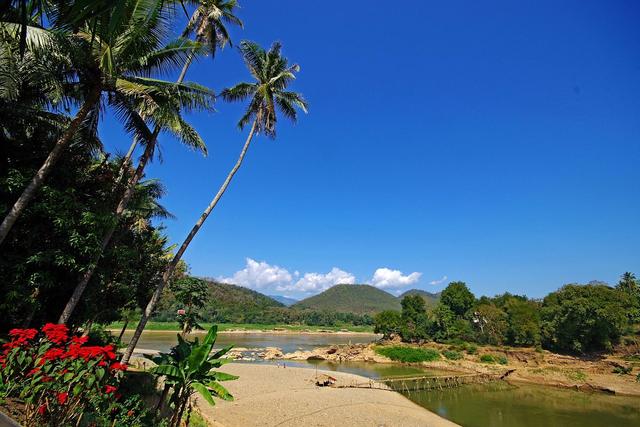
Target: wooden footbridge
point(426, 382)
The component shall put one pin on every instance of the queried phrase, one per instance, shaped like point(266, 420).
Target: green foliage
point(622, 370)
point(359, 299)
point(409, 354)
point(630, 286)
point(491, 324)
point(191, 294)
point(452, 354)
point(458, 298)
point(583, 318)
point(415, 322)
point(191, 368)
point(388, 323)
point(487, 358)
point(502, 360)
point(472, 349)
point(430, 299)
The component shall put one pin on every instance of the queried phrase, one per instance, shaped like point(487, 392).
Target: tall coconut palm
point(208, 24)
point(266, 95)
point(112, 54)
point(165, 115)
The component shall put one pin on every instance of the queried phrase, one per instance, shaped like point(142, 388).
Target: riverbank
point(524, 365)
point(249, 328)
point(267, 395)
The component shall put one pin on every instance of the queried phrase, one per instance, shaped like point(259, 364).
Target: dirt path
point(267, 395)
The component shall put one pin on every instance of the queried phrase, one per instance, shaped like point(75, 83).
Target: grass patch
point(196, 420)
point(472, 349)
point(173, 326)
point(502, 360)
point(452, 354)
point(576, 375)
point(487, 358)
point(409, 354)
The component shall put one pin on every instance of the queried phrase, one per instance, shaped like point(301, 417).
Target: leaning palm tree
point(208, 24)
point(113, 53)
point(266, 95)
point(162, 105)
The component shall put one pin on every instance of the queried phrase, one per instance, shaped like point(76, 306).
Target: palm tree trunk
point(124, 329)
point(86, 277)
point(29, 192)
point(174, 262)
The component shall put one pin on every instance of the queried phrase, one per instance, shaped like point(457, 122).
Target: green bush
point(452, 354)
point(409, 354)
point(622, 370)
point(487, 358)
point(638, 378)
point(472, 349)
point(502, 360)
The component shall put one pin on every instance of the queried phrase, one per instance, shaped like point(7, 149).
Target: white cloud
point(318, 282)
point(386, 278)
point(439, 281)
point(259, 275)
point(268, 278)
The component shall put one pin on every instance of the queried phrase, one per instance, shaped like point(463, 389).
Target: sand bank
point(267, 395)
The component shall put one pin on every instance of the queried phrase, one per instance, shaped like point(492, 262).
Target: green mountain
point(224, 295)
point(358, 299)
point(430, 299)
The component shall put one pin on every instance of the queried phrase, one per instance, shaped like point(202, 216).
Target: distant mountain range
point(284, 300)
point(358, 299)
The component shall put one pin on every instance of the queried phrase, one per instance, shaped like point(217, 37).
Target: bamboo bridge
point(426, 382)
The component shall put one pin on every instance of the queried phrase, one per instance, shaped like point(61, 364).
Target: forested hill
point(430, 299)
point(358, 299)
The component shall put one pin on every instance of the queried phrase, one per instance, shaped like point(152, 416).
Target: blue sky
point(492, 142)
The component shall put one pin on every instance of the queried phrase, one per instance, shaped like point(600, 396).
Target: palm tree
point(266, 94)
point(112, 53)
point(140, 56)
point(208, 23)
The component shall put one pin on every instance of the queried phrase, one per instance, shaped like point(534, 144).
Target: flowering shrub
point(58, 376)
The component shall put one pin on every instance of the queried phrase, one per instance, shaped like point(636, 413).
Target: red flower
point(130, 413)
point(56, 333)
point(62, 398)
point(33, 371)
point(46, 379)
point(53, 354)
point(79, 340)
point(42, 409)
point(117, 366)
point(182, 312)
point(23, 334)
point(109, 389)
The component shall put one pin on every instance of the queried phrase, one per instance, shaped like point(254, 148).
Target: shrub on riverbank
point(452, 355)
point(409, 354)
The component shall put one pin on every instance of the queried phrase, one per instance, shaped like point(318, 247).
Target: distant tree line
point(190, 300)
point(575, 318)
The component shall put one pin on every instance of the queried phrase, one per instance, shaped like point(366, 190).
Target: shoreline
point(253, 331)
point(291, 398)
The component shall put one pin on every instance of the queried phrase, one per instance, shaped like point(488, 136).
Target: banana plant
point(190, 368)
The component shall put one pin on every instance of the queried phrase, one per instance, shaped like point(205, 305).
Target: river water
point(479, 405)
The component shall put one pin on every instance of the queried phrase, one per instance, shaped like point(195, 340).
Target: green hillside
point(358, 299)
point(430, 299)
point(224, 295)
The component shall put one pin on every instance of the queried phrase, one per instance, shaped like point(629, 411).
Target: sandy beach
point(267, 395)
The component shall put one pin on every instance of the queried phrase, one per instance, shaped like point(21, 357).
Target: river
point(479, 405)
